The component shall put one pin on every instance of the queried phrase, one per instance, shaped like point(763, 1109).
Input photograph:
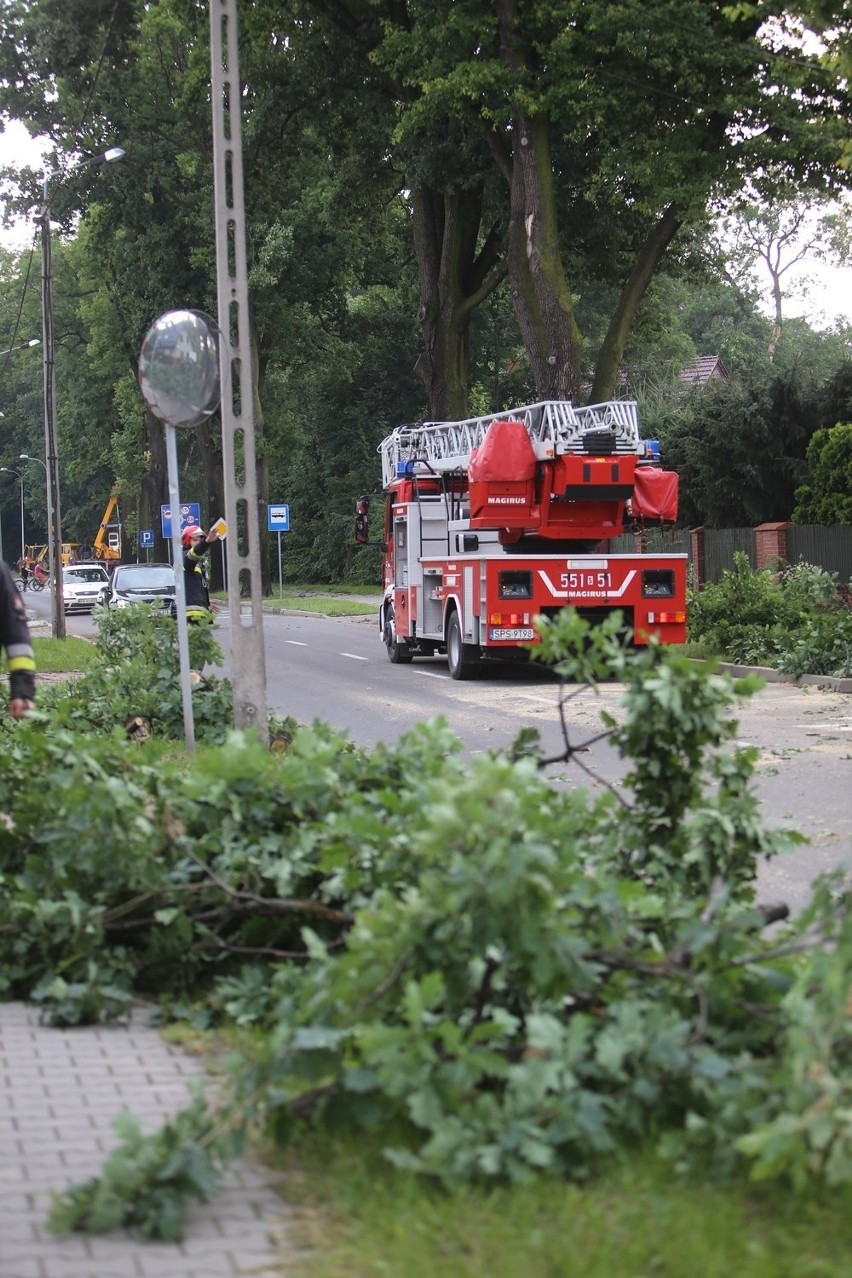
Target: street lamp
point(8, 470)
point(54, 516)
point(22, 346)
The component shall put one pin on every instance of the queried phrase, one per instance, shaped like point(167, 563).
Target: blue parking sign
point(146, 538)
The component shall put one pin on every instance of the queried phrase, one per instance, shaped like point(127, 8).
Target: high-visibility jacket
point(15, 638)
point(195, 585)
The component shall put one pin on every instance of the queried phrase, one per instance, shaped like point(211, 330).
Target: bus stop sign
point(278, 517)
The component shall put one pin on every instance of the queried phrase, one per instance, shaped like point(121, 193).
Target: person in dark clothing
point(196, 544)
point(15, 638)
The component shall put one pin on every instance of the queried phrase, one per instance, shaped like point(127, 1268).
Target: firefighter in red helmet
point(196, 545)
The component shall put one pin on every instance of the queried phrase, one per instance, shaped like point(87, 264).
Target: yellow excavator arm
point(107, 543)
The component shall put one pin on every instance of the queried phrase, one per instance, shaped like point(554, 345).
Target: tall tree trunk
point(209, 442)
point(454, 278)
point(155, 489)
point(540, 292)
point(647, 260)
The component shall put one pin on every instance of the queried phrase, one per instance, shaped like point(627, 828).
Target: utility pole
point(245, 601)
point(54, 515)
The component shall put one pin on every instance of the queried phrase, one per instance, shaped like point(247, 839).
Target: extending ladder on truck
point(554, 427)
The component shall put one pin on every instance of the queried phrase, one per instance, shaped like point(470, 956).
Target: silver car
point(84, 586)
point(144, 583)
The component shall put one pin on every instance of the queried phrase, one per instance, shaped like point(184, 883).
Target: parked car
point(84, 586)
point(144, 583)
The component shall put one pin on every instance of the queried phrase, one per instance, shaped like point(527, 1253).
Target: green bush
point(820, 644)
point(505, 978)
point(136, 677)
point(796, 620)
point(502, 977)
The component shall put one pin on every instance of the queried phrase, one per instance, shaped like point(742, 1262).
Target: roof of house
point(703, 369)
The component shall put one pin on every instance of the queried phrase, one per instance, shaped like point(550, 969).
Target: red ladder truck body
point(494, 521)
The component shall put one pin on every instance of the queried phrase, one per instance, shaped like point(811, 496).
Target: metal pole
point(245, 602)
point(280, 574)
point(180, 591)
point(54, 517)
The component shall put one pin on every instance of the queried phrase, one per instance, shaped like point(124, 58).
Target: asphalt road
point(336, 670)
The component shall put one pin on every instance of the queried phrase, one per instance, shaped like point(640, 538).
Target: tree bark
point(648, 258)
point(540, 292)
point(154, 484)
point(454, 278)
point(209, 444)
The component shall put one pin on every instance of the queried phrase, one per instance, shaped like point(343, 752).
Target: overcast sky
point(19, 150)
point(830, 299)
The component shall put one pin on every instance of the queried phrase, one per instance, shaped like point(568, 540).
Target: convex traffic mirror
point(179, 368)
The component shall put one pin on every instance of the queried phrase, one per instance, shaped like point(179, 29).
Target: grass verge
point(325, 605)
point(361, 1219)
point(56, 656)
point(338, 588)
point(326, 601)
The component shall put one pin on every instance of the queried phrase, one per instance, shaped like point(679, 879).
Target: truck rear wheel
point(399, 654)
point(462, 658)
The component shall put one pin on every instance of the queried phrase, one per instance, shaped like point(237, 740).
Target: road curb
point(771, 675)
point(320, 616)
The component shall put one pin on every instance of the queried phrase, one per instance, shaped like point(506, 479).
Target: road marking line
point(550, 702)
point(296, 643)
point(429, 674)
point(353, 657)
point(826, 727)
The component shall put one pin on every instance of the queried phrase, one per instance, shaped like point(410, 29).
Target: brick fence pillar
point(697, 557)
point(770, 545)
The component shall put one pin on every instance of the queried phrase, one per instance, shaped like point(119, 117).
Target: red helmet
point(191, 530)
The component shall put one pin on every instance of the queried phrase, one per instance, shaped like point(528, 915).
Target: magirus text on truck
point(493, 521)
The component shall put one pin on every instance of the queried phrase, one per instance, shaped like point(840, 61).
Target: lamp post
point(8, 470)
point(22, 346)
point(54, 515)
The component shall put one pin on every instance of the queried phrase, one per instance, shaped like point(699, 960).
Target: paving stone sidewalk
point(59, 1092)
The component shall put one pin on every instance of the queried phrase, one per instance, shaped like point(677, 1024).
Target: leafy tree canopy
point(826, 495)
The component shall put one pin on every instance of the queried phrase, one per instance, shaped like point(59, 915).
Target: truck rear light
point(666, 618)
point(508, 618)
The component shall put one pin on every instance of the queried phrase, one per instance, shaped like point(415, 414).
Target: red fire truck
point(493, 521)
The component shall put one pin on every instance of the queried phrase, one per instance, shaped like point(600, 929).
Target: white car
point(84, 586)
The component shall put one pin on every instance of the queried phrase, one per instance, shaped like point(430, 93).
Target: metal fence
point(827, 547)
point(654, 541)
point(720, 546)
